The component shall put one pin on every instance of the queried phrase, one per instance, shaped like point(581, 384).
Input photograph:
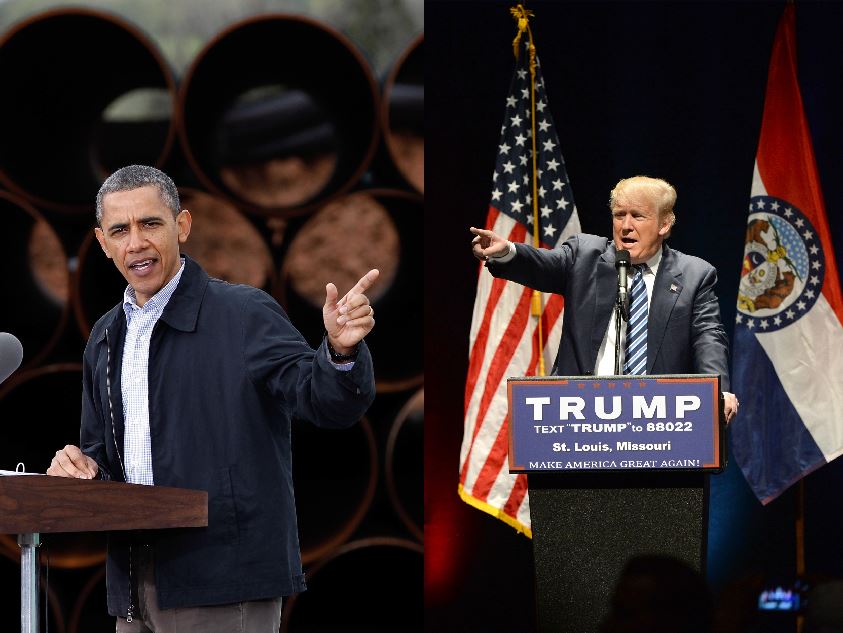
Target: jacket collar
point(182, 310)
point(666, 290)
point(604, 297)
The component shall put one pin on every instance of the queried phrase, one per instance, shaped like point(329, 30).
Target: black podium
point(593, 503)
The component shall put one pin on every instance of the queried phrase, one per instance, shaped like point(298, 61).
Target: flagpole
point(800, 520)
point(800, 542)
point(523, 16)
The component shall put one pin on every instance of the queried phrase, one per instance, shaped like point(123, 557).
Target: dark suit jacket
point(684, 332)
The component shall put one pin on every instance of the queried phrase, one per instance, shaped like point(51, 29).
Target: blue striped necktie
point(636, 329)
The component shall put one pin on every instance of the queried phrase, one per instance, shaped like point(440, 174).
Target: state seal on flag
point(783, 266)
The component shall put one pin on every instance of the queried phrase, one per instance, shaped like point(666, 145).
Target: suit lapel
point(666, 290)
point(605, 295)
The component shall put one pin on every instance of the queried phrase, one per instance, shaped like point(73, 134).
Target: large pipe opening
point(85, 94)
point(403, 114)
point(279, 112)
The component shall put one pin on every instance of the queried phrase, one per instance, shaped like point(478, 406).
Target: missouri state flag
point(788, 342)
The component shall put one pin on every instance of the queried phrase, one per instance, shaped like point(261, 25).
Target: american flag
point(504, 339)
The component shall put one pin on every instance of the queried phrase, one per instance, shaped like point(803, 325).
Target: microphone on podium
point(11, 355)
point(622, 264)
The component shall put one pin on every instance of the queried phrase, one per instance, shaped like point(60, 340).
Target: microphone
point(11, 355)
point(622, 264)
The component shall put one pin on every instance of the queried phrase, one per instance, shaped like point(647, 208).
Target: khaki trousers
point(259, 616)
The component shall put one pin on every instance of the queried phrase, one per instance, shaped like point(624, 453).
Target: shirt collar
point(654, 261)
point(157, 302)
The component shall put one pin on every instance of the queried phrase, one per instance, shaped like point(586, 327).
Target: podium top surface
point(40, 503)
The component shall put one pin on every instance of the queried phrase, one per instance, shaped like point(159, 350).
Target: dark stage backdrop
point(667, 89)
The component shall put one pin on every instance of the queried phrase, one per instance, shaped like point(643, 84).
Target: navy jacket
point(227, 372)
point(684, 331)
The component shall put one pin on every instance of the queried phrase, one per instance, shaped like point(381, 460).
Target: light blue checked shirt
point(134, 384)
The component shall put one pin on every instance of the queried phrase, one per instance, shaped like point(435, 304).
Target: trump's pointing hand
point(488, 244)
point(351, 318)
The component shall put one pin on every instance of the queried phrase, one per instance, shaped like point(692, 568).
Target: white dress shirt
point(606, 356)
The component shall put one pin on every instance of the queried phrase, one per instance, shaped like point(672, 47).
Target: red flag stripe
point(516, 496)
point(500, 361)
point(786, 154)
point(493, 464)
point(550, 314)
point(498, 453)
point(478, 350)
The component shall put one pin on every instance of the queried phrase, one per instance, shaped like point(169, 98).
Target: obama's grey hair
point(135, 177)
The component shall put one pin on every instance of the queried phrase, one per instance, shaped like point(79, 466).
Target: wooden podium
point(35, 504)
